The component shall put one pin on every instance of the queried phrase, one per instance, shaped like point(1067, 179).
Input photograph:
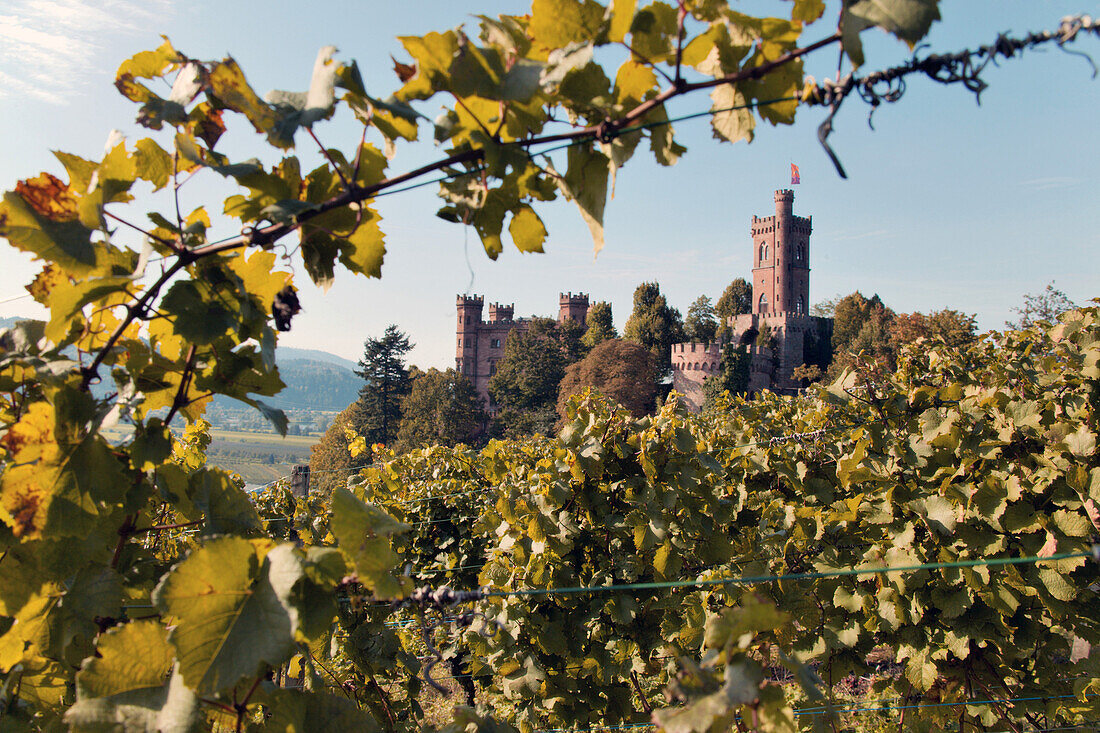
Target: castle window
point(763, 302)
point(762, 251)
point(460, 341)
point(495, 343)
point(492, 368)
point(800, 306)
point(799, 252)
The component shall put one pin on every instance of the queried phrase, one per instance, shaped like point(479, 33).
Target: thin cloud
point(1044, 184)
point(50, 48)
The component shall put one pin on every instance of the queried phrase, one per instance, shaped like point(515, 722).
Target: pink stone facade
point(480, 341)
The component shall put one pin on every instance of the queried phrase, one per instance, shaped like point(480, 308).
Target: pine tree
point(387, 382)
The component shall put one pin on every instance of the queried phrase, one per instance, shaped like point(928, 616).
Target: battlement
point(572, 307)
point(499, 312)
point(470, 300)
point(795, 224)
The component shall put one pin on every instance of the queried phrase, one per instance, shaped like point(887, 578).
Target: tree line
point(548, 362)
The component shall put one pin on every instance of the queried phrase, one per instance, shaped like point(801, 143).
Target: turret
point(572, 307)
point(499, 312)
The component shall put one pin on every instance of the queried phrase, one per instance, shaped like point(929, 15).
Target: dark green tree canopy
point(732, 375)
point(387, 382)
point(600, 326)
point(621, 370)
point(654, 324)
point(442, 408)
point(701, 324)
point(525, 386)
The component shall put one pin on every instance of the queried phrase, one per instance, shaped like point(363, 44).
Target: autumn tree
point(621, 370)
point(654, 324)
point(442, 408)
point(701, 324)
point(952, 327)
point(600, 326)
point(387, 383)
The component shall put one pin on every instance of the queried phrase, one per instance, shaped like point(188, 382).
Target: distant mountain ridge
point(285, 354)
point(315, 379)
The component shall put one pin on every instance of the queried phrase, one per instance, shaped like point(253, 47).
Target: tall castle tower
point(780, 300)
point(781, 259)
point(469, 318)
point(572, 307)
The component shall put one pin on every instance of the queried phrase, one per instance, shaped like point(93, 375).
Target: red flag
point(794, 174)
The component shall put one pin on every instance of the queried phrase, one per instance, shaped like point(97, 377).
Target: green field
point(257, 457)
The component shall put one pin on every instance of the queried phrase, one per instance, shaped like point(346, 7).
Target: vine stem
point(641, 695)
point(385, 701)
point(163, 527)
point(180, 399)
point(242, 707)
point(268, 235)
point(124, 533)
point(273, 232)
point(324, 152)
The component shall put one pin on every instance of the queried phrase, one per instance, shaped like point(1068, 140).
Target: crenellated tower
point(781, 259)
point(469, 309)
point(572, 307)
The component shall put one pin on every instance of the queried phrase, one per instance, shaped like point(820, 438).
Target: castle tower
point(572, 307)
point(781, 259)
point(499, 313)
point(469, 318)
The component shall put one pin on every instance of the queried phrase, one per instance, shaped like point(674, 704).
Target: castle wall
point(692, 365)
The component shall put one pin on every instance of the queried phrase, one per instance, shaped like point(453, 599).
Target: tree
point(952, 327)
point(654, 324)
point(701, 324)
point(621, 370)
point(601, 327)
point(736, 300)
point(387, 383)
point(525, 385)
point(442, 408)
point(330, 461)
point(732, 376)
point(1042, 307)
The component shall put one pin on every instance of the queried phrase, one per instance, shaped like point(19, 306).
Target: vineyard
point(694, 572)
point(909, 549)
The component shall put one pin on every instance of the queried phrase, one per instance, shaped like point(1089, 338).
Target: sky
point(948, 204)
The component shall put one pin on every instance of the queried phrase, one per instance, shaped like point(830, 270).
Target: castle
point(780, 294)
point(780, 298)
point(481, 342)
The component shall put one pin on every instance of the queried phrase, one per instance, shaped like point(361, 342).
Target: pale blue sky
point(947, 204)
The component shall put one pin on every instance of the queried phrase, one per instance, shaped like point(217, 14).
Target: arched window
point(799, 252)
point(800, 306)
point(762, 249)
point(763, 302)
point(765, 251)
